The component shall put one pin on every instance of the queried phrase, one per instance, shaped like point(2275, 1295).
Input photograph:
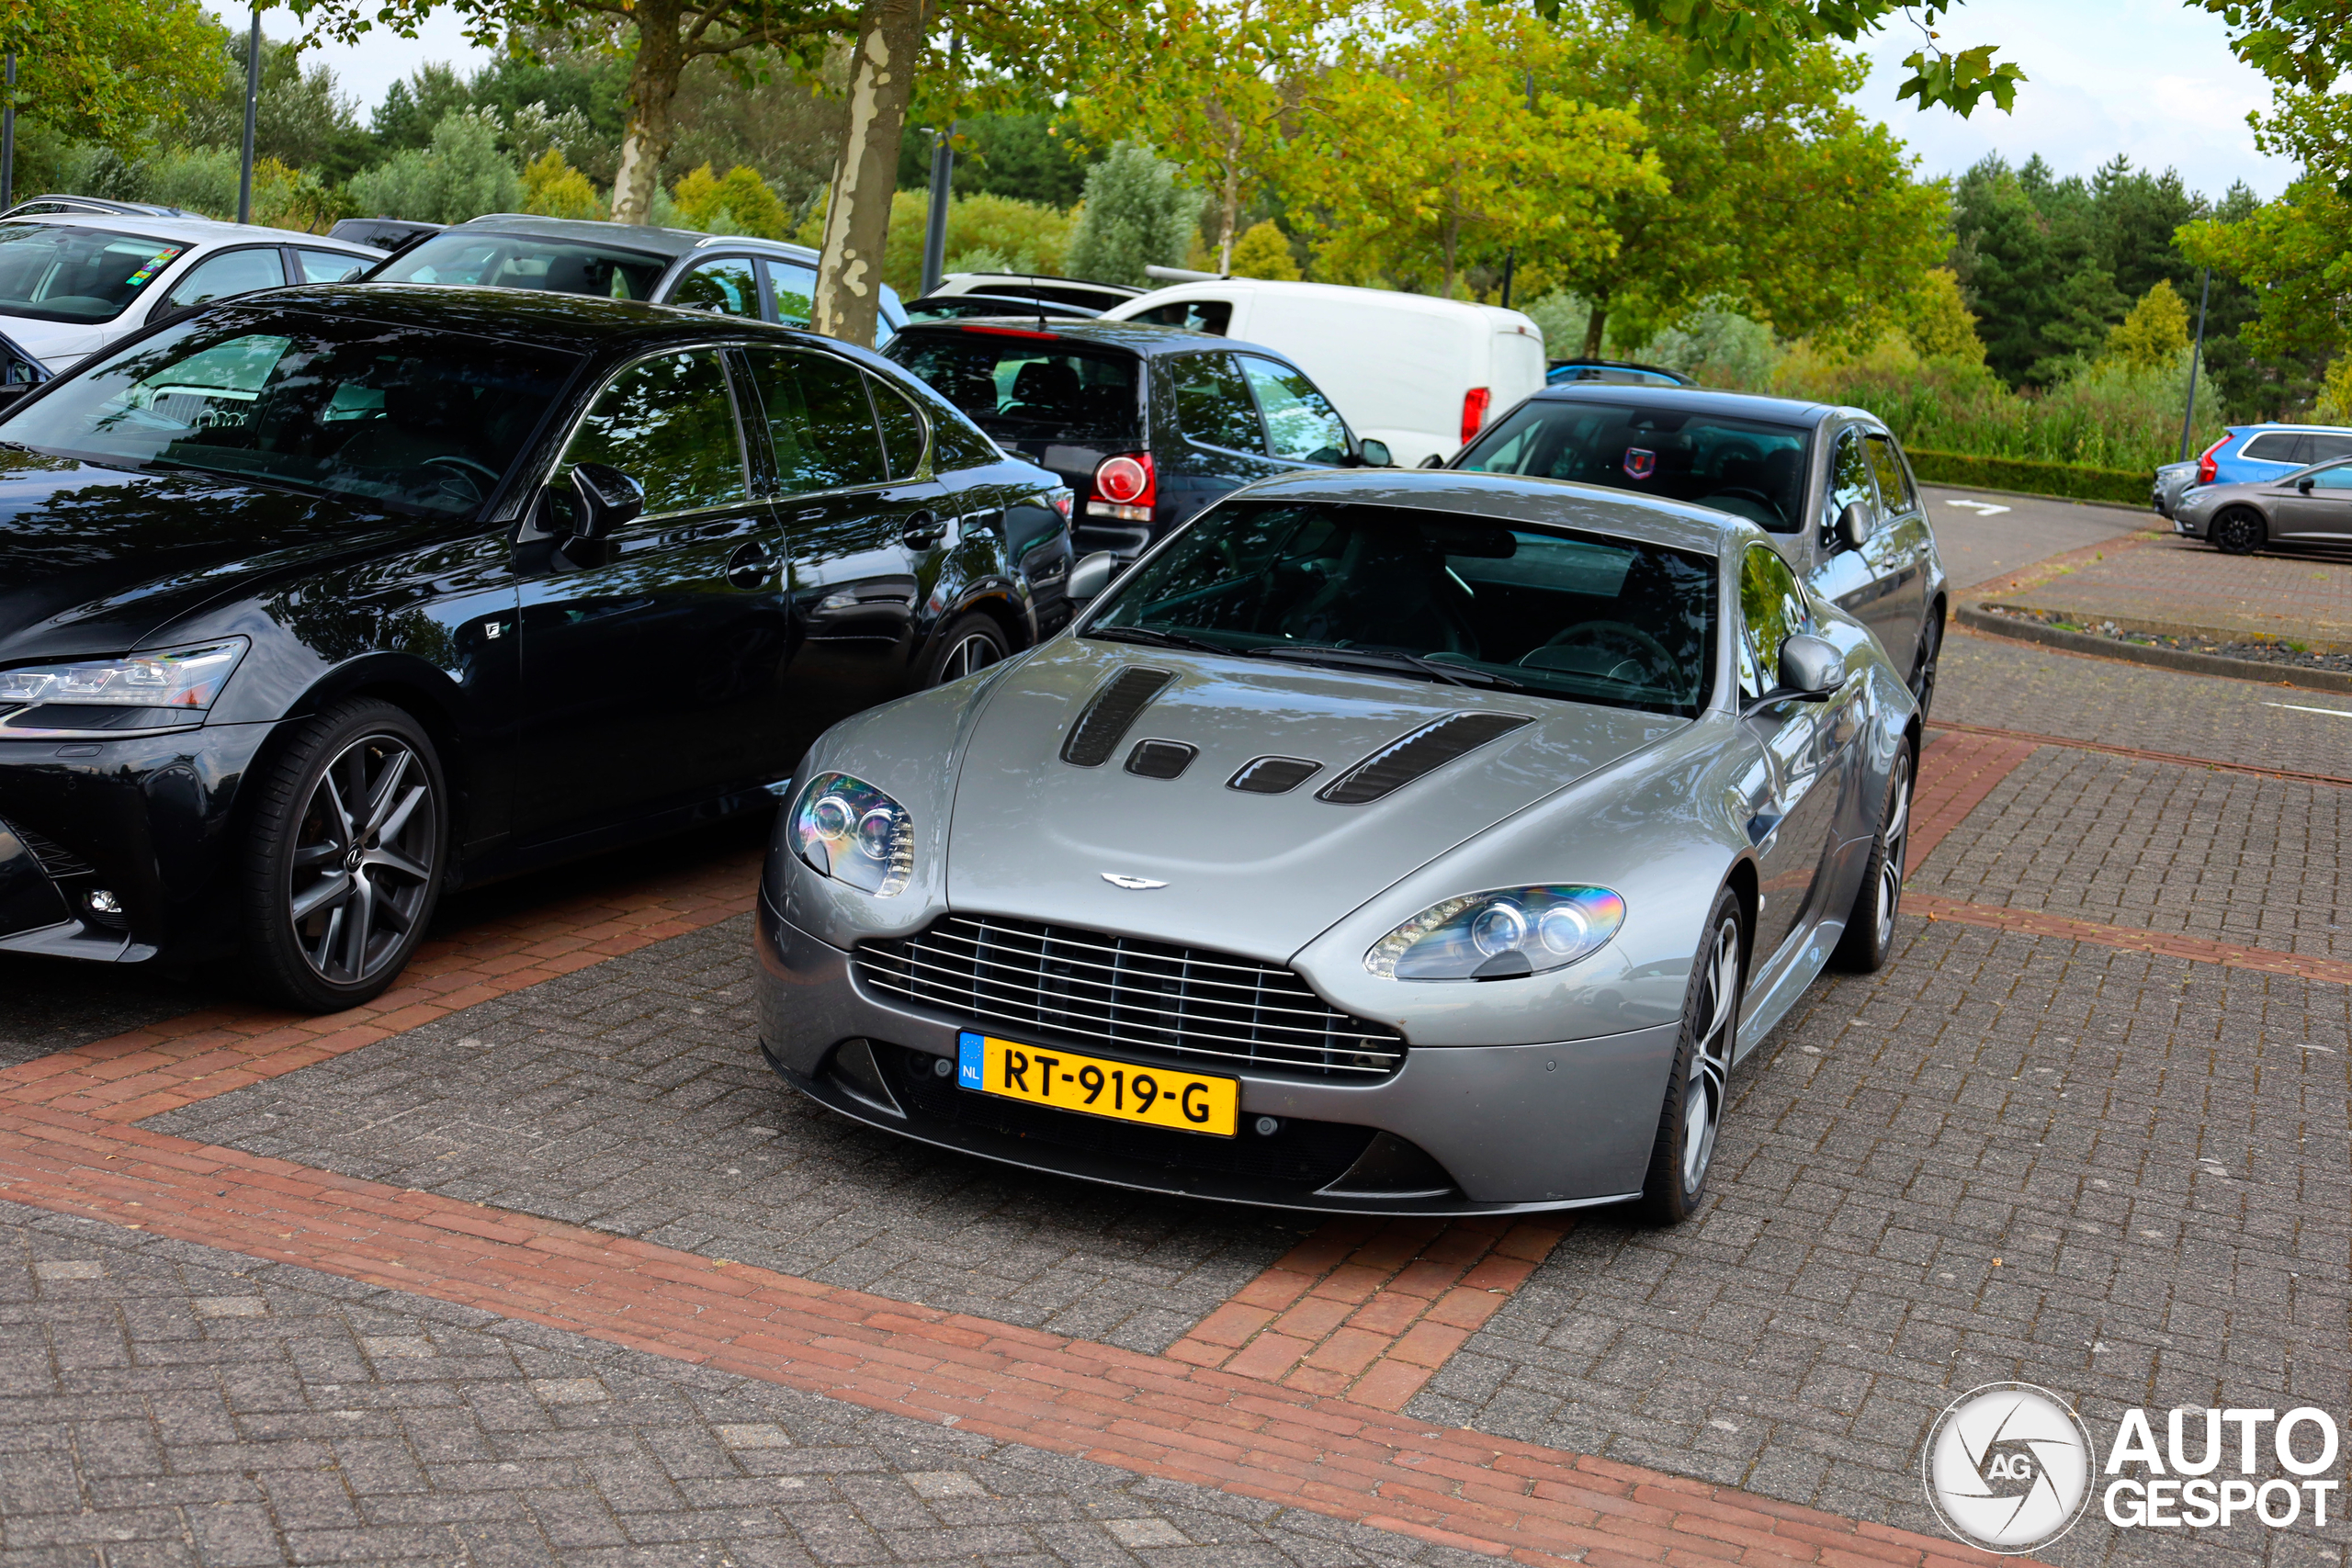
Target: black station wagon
point(316, 604)
point(1146, 424)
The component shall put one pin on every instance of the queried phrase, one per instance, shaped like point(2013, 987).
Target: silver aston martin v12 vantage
point(1403, 842)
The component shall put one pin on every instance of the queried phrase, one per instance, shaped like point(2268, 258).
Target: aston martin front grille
point(1098, 991)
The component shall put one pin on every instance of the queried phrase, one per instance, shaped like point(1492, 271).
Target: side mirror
point(2303, 485)
point(1854, 525)
point(1090, 576)
point(1376, 452)
point(1811, 668)
point(604, 500)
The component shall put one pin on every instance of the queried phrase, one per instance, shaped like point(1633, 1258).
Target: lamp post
point(2196, 357)
point(253, 101)
point(943, 176)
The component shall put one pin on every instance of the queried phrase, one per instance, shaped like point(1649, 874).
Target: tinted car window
point(725, 284)
point(1749, 467)
point(409, 418)
point(1210, 316)
point(231, 271)
point(1849, 480)
point(1020, 384)
point(66, 273)
point(2273, 446)
point(510, 261)
point(1771, 611)
point(2322, 445)
point(819, 423)
point(669, 424)
point(1893, 481)
point(329, 266)
point(1213, 403)
point(1300, 424)
point(795, 289)
point(902, 429)
point(1555, 612)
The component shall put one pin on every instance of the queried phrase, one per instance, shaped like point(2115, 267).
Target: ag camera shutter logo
point(2008, 1467)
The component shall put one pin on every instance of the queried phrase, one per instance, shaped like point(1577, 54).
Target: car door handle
point(749, 567)
point(923, 531)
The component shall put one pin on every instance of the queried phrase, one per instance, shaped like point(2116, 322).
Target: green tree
point(1136, 215)
point(1024, 155)
point(110, 71)
point(461, 175)
point(741, 203)
point(1938, 321)
point(2156, 334)
point(1264, 251)
point(412, 106)
point(553, 188)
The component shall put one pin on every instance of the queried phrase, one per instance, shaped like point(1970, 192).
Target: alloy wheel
point(1894, 840)
point(1710, 1082)
point(970, 655)
point(362, 869)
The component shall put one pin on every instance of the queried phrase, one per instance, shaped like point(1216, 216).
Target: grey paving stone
point(92, 1478)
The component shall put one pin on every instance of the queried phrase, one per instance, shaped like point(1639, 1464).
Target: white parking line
point(1981, 508)
point(2332, 712)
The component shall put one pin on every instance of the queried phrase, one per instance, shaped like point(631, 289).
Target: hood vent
point(1272, 775)
point(1100, 728)
point(1426, 750)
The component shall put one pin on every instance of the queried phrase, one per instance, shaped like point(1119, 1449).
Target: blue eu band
point(971, 1060)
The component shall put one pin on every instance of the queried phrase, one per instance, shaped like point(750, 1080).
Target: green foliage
point(1023, 156)
point(411, 108)
point(1716, 346)
point(301, 119)
point(2068, 481)
point(1136, 215)
point(739, 204)
point(1264, 250)
point(553, 188)
point(1562, 317)
point(2335, 403)
point(1938, 321)
point(460, 174)
point(110, 71)
point(2155, 334)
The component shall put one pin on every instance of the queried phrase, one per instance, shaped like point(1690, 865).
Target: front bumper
point(1468, 1129)
point(145, 819)
point(2189, 527)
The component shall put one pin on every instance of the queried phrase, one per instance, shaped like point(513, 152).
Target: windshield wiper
point(1386, 658)
point(1151, 636)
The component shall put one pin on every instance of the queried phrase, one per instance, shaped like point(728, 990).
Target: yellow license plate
point(1190, 1102)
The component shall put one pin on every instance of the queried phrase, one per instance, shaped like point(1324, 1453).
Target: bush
point(460, 174)
point(1135, 216)
point(2070, 482)
point(553, 188)
point(1264, 251)
point(740, 204)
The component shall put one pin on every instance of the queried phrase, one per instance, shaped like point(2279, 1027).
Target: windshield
point(410, 418)
point(56, 272)
point(1020, 384)
point(1579, 616)
point(1747, 468)
point(521, 261)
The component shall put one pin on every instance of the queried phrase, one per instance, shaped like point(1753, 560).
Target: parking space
point(1981, 537)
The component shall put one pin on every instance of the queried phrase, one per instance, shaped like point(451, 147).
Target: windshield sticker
point(1640, 462)
point(156, 264)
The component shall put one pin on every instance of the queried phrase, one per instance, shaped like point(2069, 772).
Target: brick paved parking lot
point(537, 1262)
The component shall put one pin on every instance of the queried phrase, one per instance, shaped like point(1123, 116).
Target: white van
point(1422, 373)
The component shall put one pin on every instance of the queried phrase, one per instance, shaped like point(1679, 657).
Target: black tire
point(1700, 1086)
point(966, 645)
point(1868, 941)
point(2239, 532)
point(1931, 651)
point(335, 898)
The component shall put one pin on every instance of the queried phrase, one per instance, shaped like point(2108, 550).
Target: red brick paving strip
point(1955, 776)
point(1367, 1309)
point(2131, 938)
point(1152, 1415)
point(168, 1065)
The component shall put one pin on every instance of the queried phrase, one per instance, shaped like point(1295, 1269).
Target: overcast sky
point(2151, 79)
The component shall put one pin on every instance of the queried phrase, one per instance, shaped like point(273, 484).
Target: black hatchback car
point(319, 603)
point(1146, 424)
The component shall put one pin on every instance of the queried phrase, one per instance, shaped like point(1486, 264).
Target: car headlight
point(172, 678)
point(847, 830)
point(1499, 934)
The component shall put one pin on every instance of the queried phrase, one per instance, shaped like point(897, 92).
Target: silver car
point(1400, 843)
point(2310, 505)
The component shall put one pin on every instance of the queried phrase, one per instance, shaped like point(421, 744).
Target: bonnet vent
point(1426, 750)
point(1100, 728)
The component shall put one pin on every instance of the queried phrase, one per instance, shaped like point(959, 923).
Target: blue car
point(2251, 452)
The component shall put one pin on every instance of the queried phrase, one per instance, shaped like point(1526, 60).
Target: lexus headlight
point(1499, 934)
point(174, 678)
point(852, 832)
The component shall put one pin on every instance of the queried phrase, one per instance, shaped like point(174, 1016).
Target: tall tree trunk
point(1595, 326)
point(857, 213)
point(1229, 210)
point(652, 84)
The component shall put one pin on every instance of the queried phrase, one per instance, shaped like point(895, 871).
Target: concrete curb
point(1975, 617)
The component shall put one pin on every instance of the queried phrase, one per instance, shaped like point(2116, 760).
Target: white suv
point(73, 283)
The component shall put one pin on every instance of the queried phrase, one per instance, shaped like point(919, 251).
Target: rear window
point(517, 261)
point(2274, 447)
point(60, 271)
point(1019, 385)
point(1212, 316)
point(1749, 468)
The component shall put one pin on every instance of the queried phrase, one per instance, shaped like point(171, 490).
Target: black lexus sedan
point(318, 604)
point(1146, 424)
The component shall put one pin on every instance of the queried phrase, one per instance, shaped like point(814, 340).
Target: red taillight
point(2205, 465)
point(1126, 480)
point(1474, 412)
point(1009, 332)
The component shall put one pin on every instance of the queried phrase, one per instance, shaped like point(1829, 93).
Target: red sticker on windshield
point(1640, 462)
